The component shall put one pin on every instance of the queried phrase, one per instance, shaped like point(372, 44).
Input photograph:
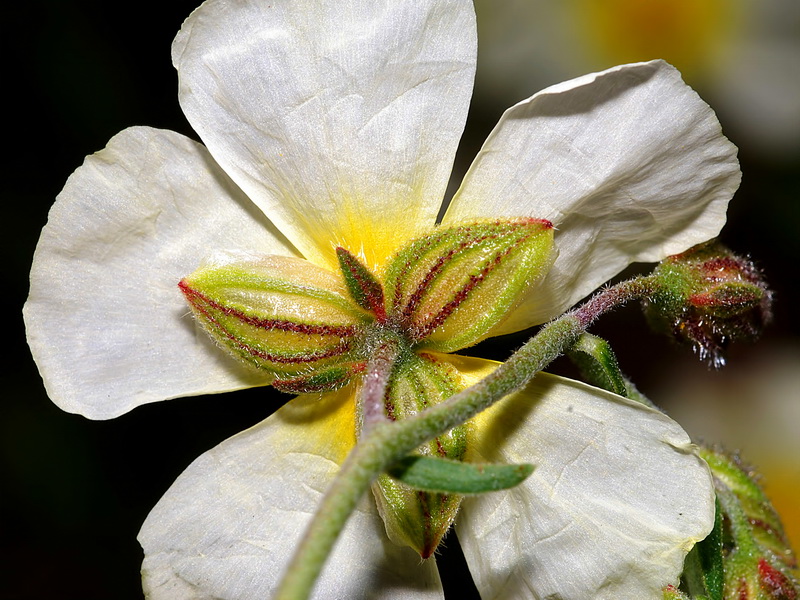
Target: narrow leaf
point(704, 571)
point(598, 364)
point(451, 477)
point(710, 550)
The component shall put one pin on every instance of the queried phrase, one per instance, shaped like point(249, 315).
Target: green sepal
point(416, 518)
point(448, 289)
point(364, 288)
point(326, 380)
point(283, 315)
point(433, 474)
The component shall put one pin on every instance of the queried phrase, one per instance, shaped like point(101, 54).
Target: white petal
point(339, 119)
point(106, 322)
point(629, 165)
point(228, 526)
point(616, 500)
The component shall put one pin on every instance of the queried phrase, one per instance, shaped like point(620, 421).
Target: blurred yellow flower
point(742, 54)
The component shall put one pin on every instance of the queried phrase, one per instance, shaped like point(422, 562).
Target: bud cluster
point(672, 593)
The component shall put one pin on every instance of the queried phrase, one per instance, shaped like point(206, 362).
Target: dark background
point(75, 492)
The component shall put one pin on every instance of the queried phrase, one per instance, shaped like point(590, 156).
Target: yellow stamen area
point(472, 370)
point(369, 231)
point(327, 423)
point(687, 33)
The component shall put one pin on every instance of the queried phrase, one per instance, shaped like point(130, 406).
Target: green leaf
point(452, 477)
point(710, 552)
point(598, 364)
point(704, 568)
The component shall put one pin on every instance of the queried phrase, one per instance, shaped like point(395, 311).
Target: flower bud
point(413, 517)
point(448, 289)
point(283, 315)
point(707, 297)
point(758, 562)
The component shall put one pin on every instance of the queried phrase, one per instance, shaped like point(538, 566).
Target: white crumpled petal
point(629, 165)
point(228, 526)
point(339, 119)
point(106, 322)
point(616, 500)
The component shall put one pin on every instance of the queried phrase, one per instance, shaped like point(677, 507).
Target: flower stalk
point(617, 295)
point(746, 555)
point(376, 379)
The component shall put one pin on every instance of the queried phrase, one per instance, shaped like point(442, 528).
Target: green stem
point(387, 443)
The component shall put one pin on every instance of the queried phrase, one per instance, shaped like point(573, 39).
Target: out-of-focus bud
point(707, 297)
point(448, 289)
point(413, 517)
point(758, 562)
point(283, 315)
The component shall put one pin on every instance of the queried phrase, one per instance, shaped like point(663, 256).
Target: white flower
point(335, 124)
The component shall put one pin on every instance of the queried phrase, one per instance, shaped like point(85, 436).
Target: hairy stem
point(614, 296)
point(376, 379)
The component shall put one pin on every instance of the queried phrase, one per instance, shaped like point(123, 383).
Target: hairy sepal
point(450, 288)
point(413, 517)
point(282, 315)
point(364, 287)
